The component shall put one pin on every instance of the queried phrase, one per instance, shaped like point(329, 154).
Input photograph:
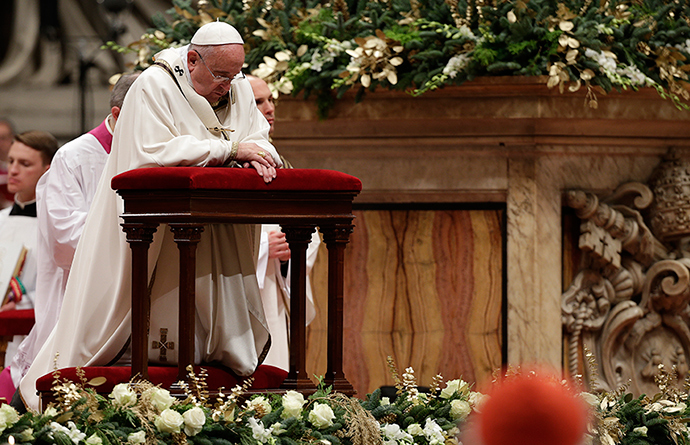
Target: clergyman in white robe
point(159, 126)
point(63, 197)
point(275, 294)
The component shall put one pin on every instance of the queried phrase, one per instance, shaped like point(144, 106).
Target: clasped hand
point(250, 154)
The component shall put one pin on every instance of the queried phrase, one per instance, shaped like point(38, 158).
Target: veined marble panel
point(424, 287)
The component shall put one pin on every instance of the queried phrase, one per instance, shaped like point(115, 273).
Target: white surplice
point(63, 197)
point(275, 294)
point(159, 126)
point(19, 230)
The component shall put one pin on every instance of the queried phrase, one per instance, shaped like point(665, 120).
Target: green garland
point(305, 47)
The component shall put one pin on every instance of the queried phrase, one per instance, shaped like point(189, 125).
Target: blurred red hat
point(532, 409)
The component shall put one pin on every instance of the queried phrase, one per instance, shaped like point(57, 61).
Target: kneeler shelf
point(188, 198)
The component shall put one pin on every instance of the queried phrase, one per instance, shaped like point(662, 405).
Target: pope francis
point(193, 107)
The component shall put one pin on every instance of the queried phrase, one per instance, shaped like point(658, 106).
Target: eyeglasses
point(220, 79)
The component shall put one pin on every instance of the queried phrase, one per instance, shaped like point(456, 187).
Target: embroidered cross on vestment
point(163, 345)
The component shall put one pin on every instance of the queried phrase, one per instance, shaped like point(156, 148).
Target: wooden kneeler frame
point(188, 198)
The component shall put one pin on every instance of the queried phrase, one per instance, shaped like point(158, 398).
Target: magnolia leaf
point(573, 43)
point(566, 26)
point(302, 50)
point(366, 80)
point(97, 381)
point(398, 49)
point(553, 70)
point(575, 86)
point(260, 33)
point(159, 34)
point(396, 61)
point(512, 18)
point(392, 77)
point(64, 417)
point(571, 56)
point(282, 66)
point(587, 74)
point(283, 56)
point(263, 22)
point(563, 40)
point(380, 34)
point(552, 82)
point(205, 18)
point(374, 43)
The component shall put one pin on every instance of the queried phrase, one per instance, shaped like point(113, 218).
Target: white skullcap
point(217, 33)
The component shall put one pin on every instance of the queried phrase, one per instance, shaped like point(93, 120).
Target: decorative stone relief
point(628, 304)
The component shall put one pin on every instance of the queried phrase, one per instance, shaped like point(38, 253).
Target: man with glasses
point(192, 108)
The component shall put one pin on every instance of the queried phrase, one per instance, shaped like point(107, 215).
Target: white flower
point(259, 432)
point(477, 399)
point(94, 440)
point(169, 421)
point(321, 416)
point(589, 398)
point(277, 429)
point(465, 31)
point(642, 430)
point(684, 47)
point(433, 432)
point(51, 411)
point(194, 420)
point(393, 433)
point(455, 65)
point(293, 402)
point(415, 429)
point(459, 409)
point(605, 59)
point(27, 436)
point(137, 438)
point(8, 417)
point(260, 405)
point(385, 401)
point(452, 387)
point(123, 395)
point(160, 398)
point(71, 431)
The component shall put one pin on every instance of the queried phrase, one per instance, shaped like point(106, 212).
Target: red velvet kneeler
point(266, 376)
point(17, 322)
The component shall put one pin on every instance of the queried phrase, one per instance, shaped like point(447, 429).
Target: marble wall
point(508, 141)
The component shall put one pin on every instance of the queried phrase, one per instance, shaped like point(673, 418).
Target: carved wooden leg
point(298, 238)
point(336, 238)
point(139, 237)
point(187, 237)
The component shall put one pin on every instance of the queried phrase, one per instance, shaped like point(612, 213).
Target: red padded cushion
point(17, 322)
point(266, 376)
point(215, 178)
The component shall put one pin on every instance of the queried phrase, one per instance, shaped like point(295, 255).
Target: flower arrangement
point(141, 413)
point(308, 47)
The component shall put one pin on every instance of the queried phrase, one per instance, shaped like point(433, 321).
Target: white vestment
point(18, 230)
point(159, 126)
point(275, 294)
point(63, 197)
